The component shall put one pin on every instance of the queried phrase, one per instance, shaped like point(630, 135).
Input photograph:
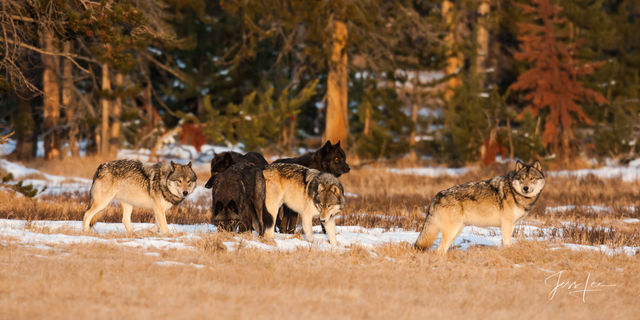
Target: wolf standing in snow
point(238, 196)
point(307, 191)
point(158, 187)
point(331, 159)
point(500, 201)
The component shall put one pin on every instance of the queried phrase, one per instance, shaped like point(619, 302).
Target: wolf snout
point(525, 188)
point(185, 193)
point(323, 220)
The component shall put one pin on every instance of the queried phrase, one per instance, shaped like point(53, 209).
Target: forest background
point(452, 81)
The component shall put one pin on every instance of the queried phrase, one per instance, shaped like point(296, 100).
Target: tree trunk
point(566, 145)
point(25, 128)
point(114, 141)
point(51, 92)
point(454, 59)
point(482, 39)
point(510, 135)
point(367, 121)
point(149, 105)
point(104, 104)
point(414, 117)
point(68, 104)
point(337, 123)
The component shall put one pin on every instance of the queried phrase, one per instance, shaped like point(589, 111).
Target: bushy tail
point(429, 232)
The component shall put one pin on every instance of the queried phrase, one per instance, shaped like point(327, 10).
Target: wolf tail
point(429, 231)
point(99, 199)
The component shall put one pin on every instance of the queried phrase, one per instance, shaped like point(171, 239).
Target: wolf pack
point(249, 194)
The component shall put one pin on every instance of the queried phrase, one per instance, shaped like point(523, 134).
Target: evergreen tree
point(552, 83)
point(615, 41)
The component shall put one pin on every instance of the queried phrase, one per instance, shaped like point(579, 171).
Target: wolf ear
point(537, 165)
point(189, 164)
point(337, 144)
point(209, 183)
point(326, 147)
point(174, 165)
point(228, 158)
point(320, 188)
point(336, 189)
point(519, 165)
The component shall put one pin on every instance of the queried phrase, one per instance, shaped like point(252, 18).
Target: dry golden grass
point(387, 200)
point(96, 281)
point(390, 281)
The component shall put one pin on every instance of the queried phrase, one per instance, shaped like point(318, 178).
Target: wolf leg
point(161, 219)
point(99, 201)
point(291, 218)
point(506, 227)
point(307, 226)
point(331, 230)
point(280, 220)
point(126, 216)
point(272, 207)
point(448, 236)
point(428, 235)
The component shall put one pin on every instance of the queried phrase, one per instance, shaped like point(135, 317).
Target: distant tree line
point(458, 81)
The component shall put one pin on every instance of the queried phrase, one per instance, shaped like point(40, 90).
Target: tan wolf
point(157, 186)
point(307, 191)
point(500, 201)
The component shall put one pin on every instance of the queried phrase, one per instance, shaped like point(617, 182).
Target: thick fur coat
point(157, 186)
point(500, 201)
point(330, 159)
point(307, 191)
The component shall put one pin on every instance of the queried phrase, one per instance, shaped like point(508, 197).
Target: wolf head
point(329, 198)
point(226, 217)
point(181, 180)
point(528, 179)
point(333, 159)
point(221, 162)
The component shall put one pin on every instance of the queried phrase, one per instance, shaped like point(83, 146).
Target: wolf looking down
point(307, 191)
point(330, 158)
point(500, 201)
point(158, 187)
point(238, 196)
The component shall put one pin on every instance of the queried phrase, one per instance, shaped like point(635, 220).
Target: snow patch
point(168, 263)
point(626, 173)
point(183, 235)
point(630, 251)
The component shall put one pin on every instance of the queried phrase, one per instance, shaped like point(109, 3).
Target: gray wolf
point(307, 191)
point(157, 186)
point(330, 158)
point(500, 201)
point(222, 161)
point(238, 197)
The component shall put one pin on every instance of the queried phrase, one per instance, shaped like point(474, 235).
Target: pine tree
point(552, 83)
point(616, 41)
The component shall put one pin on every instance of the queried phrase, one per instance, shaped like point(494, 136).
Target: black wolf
point(330, 159)
point(222, 161)
point(238, 197)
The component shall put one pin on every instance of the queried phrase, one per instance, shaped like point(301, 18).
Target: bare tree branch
point(69, 56)
point(164, 67)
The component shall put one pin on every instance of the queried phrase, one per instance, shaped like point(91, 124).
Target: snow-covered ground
point(68, 232)
point(50, 235)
